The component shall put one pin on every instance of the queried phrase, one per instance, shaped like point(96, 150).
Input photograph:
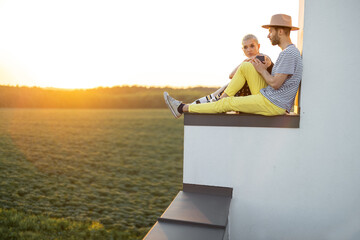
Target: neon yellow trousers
point(255, 103)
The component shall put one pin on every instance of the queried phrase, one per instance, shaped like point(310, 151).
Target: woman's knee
point(246, 66)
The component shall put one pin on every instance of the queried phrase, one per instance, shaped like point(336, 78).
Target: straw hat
point(281, 20)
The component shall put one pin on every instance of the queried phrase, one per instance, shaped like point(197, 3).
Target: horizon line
point(114, 86)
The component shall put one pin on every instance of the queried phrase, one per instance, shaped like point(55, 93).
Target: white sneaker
point(173, 104)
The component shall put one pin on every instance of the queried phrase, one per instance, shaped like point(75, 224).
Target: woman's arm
point(233, 72)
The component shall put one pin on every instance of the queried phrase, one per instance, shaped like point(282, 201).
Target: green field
point(86, 174)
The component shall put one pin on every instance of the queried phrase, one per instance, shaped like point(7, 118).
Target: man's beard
point(275, 40)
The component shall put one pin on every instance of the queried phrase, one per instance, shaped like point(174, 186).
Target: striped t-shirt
point(289, 62)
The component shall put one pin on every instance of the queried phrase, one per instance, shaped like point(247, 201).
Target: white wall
point(296, 183)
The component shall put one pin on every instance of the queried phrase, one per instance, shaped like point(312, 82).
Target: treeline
point(102, 97)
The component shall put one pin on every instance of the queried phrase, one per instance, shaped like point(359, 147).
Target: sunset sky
point(91, 43)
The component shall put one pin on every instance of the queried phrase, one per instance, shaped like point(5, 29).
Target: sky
point(93, 43)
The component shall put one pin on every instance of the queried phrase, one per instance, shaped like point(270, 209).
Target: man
point(272, 94)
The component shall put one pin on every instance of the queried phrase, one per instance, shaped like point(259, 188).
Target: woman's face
point(251, 48)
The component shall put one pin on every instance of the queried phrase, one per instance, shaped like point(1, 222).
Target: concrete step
point(198, 212)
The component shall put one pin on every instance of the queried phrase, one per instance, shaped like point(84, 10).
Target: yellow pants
point(255, 103)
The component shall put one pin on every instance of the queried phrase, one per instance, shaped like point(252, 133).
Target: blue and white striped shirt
point(289, 62)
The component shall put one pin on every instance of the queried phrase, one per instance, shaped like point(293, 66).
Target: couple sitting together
point(273, 87)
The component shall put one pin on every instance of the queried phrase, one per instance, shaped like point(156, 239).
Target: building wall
point(296, 183)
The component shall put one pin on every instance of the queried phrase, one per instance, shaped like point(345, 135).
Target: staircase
point(198, 212)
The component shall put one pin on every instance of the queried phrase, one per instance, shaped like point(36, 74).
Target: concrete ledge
point(242, 120)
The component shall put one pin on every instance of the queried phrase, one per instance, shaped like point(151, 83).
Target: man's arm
point(275, 81)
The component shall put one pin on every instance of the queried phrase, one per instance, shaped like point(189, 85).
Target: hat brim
point(292, 27)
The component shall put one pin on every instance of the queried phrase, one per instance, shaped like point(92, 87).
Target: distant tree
point(102, 97)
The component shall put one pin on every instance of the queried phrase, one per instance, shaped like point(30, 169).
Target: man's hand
point(259, 66)
point(274, 81)
point(267, 61)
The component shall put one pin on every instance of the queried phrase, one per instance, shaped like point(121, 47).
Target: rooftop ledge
point(242, 120)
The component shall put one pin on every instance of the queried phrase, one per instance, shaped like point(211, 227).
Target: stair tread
point(197, 208)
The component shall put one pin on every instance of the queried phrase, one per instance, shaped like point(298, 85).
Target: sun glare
point(86, 44)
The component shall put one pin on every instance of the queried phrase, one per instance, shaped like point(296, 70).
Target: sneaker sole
point(169, 105)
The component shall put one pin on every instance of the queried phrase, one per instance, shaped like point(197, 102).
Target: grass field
point(86, 174)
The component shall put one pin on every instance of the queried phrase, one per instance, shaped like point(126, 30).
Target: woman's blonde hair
point(248, 37)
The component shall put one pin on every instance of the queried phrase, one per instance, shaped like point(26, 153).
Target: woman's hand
point(249, 59)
